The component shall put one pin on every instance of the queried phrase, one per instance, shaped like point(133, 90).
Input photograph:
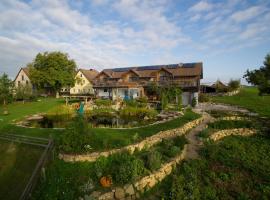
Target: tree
point(234, 85)
point(24, 92)
point(5, 89)
point(260, 77)
point(52, 70)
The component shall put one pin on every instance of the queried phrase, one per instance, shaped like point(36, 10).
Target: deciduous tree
point(52, 70)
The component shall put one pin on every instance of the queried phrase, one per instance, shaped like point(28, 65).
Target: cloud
point(201, 6)
point(247, 14)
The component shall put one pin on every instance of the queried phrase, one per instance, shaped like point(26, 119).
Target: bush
point(139, 113)
point(203, 98)
point(234, 85)
point(131, 103)
point(103, 102)
point(75, 139)
point(153, 160)
point(194, 102)
point(123, 167)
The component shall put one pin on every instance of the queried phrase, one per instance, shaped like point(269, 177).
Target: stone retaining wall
point(227, 132)
point(149, 141)
point(134, 190)
point(233, 118)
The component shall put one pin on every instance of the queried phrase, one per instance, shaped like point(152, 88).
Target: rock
point(95, 194)
point(129, 189)
point(106, 196)
point(119, 193)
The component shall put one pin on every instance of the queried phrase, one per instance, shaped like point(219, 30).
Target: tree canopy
point(5, 88)
point(52, 70)
point(260, 77)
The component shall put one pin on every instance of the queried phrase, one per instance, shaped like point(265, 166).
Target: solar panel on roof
point(154, 67)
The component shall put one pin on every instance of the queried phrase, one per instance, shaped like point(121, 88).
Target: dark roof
point(182, 69)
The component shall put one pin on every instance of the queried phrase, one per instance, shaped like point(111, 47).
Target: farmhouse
point(83, 82)
point(132, 82)
point(23, 78)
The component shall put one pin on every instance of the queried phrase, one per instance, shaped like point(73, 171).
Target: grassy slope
point(112, 138)
point(234, 168)
point(248, 98)
point(16, 164)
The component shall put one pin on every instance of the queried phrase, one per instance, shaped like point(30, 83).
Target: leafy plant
point(153, 160)
point(76, 137)
point(103, 102)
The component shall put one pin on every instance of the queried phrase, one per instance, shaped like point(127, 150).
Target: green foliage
point(203, 98)
point(61, 113)
point(103, 102)
point(234, 85)
point(6, 86)
point(260, 77)
point(24, 92)
point(194, 102)
point(52, 69)
point(170, 148)
point(234, 168)
point(153, 160)
point(137, 112)
point(122, 167)
point(76, 138)
point(228, 124)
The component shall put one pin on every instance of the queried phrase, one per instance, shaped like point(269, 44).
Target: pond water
point(111, 121)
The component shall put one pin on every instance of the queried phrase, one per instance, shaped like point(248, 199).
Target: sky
point(229, 36)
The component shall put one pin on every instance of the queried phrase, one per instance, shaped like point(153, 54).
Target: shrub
point(194, 102)
point(125, 167)
point(234, 85)
point(75, 139)
point(203, 98)
point(139, 113)
point(154, 160)
point(131, 102)
point(103, 102)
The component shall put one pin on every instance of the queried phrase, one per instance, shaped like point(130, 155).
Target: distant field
point(17, 162)
point(248, 98)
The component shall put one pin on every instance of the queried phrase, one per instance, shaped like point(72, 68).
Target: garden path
point(194, 143)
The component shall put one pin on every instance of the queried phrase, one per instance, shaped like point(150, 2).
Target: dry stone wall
point(227, 132)
point(150, 141)
point(233, 118)
point(134, 190)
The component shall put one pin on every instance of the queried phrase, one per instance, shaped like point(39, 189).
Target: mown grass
point(248, 98)
point(234, 168)
point(17, 162)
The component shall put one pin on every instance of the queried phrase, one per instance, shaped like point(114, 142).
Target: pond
point(109, 120)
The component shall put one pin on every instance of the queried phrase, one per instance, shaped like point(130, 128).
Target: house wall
point(188, 96)
point(102, 93)
point(82, 87)
point(22, 79)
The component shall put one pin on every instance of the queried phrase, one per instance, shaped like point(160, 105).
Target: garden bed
point(71, 180)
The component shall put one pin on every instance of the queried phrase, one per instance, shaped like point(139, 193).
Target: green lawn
point(18, 110)
point(17, 162)
point(104, 138)
point(248, 98)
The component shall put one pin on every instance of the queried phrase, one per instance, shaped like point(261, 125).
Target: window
point(74, 90)
point(78, 90)
point(22, 77)
point(105, 90)
point(133, 78)
point(26, 82)
point(81, 75)
point(19, 82)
